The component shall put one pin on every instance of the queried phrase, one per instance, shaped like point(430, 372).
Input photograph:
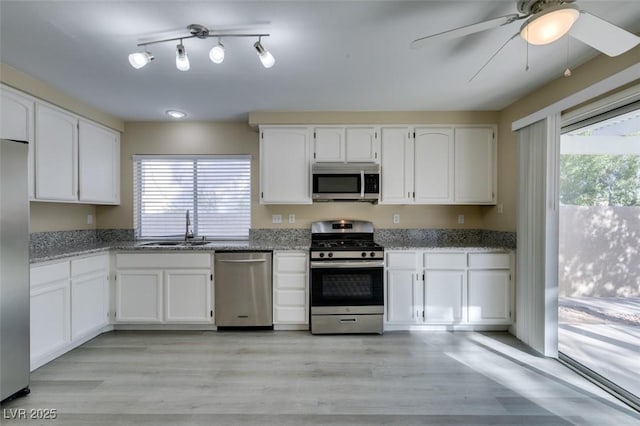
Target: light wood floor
point(294, 378)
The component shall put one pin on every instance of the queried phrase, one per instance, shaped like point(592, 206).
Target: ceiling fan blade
point(466, 30)
point(602, 35)
point(493, 56)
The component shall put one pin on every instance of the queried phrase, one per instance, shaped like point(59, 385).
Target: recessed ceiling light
point(176, 114)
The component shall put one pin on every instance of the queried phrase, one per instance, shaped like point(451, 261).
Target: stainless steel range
point(347, 274)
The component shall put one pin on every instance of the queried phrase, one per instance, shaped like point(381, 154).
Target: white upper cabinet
point(475, 165)
point(56, 154)
point(345, 144)
point(328, 144)
point(285, 165)
point(438, 165)
point(433, 165)
point(17, 115)
point(396, 168)
point(16, 122)
point(99, 164)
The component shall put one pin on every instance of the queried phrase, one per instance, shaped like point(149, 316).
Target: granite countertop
point(419, 245)
point(61, 252)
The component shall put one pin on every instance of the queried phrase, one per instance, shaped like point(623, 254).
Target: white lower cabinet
point(163, 288)
point(69, 305)
point(448, 288)
point(89, 295)
point(403, 290)
point(290, 289)
point(188, 296)
point(139, 296)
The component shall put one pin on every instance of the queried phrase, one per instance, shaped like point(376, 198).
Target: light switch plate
point(89, 219)
point(276, 218)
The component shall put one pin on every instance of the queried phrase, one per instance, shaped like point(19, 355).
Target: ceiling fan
point(545, 22)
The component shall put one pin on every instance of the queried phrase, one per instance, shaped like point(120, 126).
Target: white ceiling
point(330, 55)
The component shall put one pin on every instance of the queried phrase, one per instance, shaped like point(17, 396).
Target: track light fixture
point(216, 54)
point(265, 56)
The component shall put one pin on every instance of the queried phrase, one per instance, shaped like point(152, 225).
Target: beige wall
point(61, 217)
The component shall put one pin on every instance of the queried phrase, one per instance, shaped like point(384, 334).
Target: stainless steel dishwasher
point(243, 296)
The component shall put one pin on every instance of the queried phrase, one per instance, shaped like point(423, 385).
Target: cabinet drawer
point(291, 281)
point(291, 262)
point(401, 260)
point(89, 265)
point(290, 298)
point(489, 260)
point(163, 260)
point(49, 273)
point(445, 260)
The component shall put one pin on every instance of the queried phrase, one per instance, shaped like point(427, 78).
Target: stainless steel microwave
point(346, 182)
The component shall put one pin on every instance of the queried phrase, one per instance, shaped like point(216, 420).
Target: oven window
point(347, 286)
point(332, 184)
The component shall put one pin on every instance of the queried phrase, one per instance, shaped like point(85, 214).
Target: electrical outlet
point(500, 208)
point(460, 218)
point(89, 219)
point(292, 218)
point(396, 218)
point(276, 218)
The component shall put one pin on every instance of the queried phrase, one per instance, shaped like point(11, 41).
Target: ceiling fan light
point(549, 25)
point(140, 59)
point(265, 56)
point(182, 60)
point(216, 54)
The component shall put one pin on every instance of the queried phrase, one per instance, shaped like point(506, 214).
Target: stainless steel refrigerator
point(14, 269)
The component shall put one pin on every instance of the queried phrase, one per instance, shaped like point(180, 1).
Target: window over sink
point(216, 189)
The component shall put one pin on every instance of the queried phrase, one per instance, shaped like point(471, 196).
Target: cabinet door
point(139, 296)
point(444, 296)
point(188, 296)
point(89, 296)
point(396, 148)
point(328, 144)
point(56, 134)
point(404, 296)
point(98, 164)
point(285, 166)
point(489, 296)
point(433, 165)
point(16, 122)
point(50, 322)
point(361, 144)
point(290, 288)
point(475, 165)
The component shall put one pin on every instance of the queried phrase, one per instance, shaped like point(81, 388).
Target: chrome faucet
point(188, 233)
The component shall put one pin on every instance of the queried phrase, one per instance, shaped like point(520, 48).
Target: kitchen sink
point(174, 243)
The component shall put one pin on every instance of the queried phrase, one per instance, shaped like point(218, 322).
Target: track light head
point(216, 54)
point(140, 59)
point(182, 60)
point(265, 56)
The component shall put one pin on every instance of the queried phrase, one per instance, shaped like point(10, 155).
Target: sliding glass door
point(599, 247)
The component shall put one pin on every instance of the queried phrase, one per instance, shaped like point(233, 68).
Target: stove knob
point(330, 254)
point(372, 254)
point(364, 254)
point(321, 255)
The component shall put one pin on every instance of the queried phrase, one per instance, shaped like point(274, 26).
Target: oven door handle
point(353, 265)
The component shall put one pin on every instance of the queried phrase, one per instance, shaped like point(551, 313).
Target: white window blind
point(216, 189)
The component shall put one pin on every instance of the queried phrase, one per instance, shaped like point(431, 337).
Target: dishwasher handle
point(242, 260)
